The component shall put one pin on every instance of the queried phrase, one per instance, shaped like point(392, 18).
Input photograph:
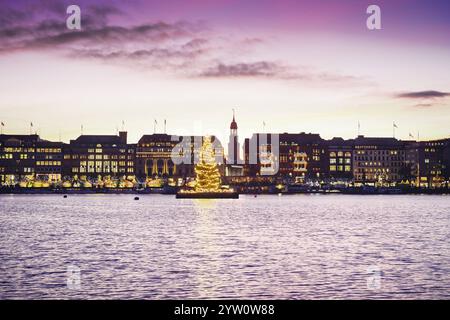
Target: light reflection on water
point(289, 247)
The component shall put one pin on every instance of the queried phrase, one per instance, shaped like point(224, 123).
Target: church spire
point(233, 125)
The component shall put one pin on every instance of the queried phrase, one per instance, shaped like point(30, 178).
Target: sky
point(297, 66)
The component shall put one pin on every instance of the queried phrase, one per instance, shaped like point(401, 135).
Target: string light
point(208, 176)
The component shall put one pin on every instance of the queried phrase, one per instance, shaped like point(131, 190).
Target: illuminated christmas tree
point(208, 176)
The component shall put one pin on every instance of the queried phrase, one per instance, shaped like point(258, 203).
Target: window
point(91, 166)
point(332, 161)
point(332, 168)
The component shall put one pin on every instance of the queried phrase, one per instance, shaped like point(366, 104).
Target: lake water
point(269, 247)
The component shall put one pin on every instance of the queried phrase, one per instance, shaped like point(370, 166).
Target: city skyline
point(290, 65)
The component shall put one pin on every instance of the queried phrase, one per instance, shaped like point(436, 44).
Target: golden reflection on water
point(206, 230)
point(205, 205)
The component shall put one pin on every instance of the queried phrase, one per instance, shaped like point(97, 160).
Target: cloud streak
point(187, 49)
point(426, 99)
point(429, 94)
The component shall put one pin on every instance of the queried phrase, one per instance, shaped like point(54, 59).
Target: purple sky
point(297, 65)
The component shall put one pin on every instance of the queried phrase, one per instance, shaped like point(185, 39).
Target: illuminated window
point(91, 166)
point(332, 168)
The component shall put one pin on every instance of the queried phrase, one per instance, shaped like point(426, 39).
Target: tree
point(208, 176)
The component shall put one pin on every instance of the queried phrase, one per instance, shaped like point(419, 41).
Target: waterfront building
point(428, 162)
point(171, 156)
point(339, 159)
point(99, 155)
point(29, 157)
point(49, 159)
point(297, 155)
point(17, 157)
point(379, 161)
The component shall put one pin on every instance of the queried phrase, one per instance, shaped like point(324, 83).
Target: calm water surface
point(296, 247)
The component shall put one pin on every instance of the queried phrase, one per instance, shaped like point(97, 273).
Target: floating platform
point(207, 195)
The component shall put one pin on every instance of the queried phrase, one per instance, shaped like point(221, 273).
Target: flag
point(31, 124)
point(156, 122)
point(410, 135)
point(3, 124)
point(395, 126)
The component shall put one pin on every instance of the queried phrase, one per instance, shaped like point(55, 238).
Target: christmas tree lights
point(208, 176)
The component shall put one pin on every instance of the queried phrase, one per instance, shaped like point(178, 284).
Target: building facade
point(29, 156)
point(339, 159)
point(99, 155)
point(379, 161)
point(298, 156)
point(428, 162)
point(167, 156)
